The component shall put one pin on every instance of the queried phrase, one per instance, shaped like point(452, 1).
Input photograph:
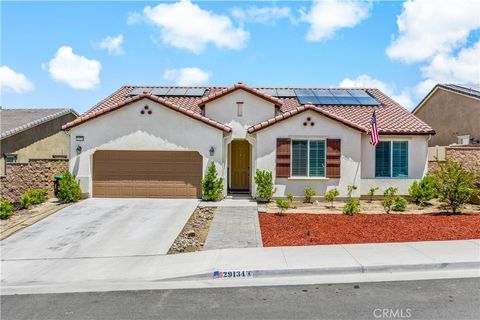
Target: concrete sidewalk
point(149, 271)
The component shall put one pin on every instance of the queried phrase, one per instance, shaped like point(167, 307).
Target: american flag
point(217, 274)
point(374, 140)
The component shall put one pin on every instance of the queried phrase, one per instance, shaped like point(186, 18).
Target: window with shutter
point(391, 159)
point(308, 158)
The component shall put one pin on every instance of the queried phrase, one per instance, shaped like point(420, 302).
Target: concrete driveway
point(102, 228)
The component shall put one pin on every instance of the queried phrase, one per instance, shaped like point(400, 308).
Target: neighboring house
point(158, 141)
point(30, 135)
point(454, 112)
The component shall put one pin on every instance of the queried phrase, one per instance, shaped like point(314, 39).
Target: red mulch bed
point(315, 229)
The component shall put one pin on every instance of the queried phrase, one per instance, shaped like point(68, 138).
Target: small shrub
point(25, 201)
point(331, 195)
point(290, 197)
point(68, 188)
point(264, 182)
point(37, 196)
point(352, 206)
point(423, 191)
point(350, 189)
point(6, 209)
point(282, 205)
point(399, 204)
point(389, 198)
point(455, 185)
point(308, 194)
point(371, 192)
point(212, 185)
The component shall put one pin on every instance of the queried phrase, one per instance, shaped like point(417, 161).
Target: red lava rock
point(315, 229)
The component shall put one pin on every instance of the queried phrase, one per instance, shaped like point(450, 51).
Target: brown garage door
point(159, 174)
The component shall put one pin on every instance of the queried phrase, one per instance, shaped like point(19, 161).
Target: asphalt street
point(426, 299)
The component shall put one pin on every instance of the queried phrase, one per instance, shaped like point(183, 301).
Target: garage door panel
point(163, 174)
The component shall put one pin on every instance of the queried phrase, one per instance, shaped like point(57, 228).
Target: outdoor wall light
point(79, 149)
point(212, 151)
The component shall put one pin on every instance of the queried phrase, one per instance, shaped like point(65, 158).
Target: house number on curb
point(232, 274)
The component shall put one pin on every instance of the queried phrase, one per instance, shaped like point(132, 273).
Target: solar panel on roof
point(364, 98)
point(286, 93)
point(308, 100)
point(160, 91)
point(138, 91)
point(325, 97)
point(344, 97)
point(195, 92)
point(177, 92)
point(304, 92)
point(269, 91)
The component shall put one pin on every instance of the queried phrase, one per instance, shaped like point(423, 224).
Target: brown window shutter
point(283, 158)
point(333, 158)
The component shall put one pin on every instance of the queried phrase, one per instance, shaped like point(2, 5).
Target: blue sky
point(73, 54)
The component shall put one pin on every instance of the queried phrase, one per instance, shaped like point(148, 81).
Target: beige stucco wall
point(127, 129)
point(450, 115)
point(57, 144)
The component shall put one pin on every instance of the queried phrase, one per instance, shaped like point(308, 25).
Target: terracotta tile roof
point(391, 117)
point(95, 112)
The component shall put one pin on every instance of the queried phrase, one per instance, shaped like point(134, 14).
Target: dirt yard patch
point(317, 229)
point(26, 217)
point(193, 236)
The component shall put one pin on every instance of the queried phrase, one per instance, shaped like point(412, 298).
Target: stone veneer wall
point(37, 173)
point(467, 155)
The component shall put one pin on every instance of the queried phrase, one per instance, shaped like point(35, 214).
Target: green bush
point(282, 205)
point(389, 198)
point(212, 185)
point(37, 196)
point(331, 195)
point(399, 204)
point(455, 186)
point(371, 192)
point(308, 194)
point(290, 197)
point(68, 188)
point(423, 191)
point(25, 201)
point(264, 182)
point(352, 206)
point(6, 209)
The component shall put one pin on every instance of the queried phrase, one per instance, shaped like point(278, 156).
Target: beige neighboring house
point(33, 149)
point(453, 111)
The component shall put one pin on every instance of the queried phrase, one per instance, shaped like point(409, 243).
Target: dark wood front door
point(240, 165)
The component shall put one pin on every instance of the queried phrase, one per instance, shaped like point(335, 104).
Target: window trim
point(7, 155)
point(308, 139)
point(391, 141)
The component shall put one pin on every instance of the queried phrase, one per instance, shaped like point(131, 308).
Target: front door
point(240, 165)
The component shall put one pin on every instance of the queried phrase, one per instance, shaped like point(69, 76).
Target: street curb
point(265, 273)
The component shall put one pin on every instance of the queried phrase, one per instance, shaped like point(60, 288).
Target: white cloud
point(264, 15)
point(365, 81)
point(464, 68)
point(187, 76)
point(113, 45)
point(326, 17)
point(11, 81)
point(75, 70)
point(134, 18)
point(428, 28)
point(185, 25)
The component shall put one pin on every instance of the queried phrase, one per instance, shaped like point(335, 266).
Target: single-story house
point(454, 113)
point(158, 141)
point(33, 147)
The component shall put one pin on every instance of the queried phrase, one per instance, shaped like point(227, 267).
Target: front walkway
point(235, 225)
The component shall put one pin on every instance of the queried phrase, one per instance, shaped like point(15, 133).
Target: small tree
point(68, 188)
point(352, 206)
point(455, 185)
point(212, 185)
point(282, 205)
point(399, 204)
point(290, 197)
point(389, 199)
point(423, 191)
point(264, 182)
point(350, 189)
point(371, 192)
point(308, 194)
point(331, 195)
